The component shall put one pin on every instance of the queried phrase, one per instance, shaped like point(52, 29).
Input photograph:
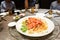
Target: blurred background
point(45, 4)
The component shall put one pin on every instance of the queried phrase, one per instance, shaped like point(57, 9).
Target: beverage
point(32, 10)
point(36, 6)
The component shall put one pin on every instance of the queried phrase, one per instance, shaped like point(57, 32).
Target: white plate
point(23, 10)
point(17, 11)
point(3, 14)
point(22, 14)
point(54, 11)
point(46, 32)
point(11, 24)
point(40, 14)
point(34, 10)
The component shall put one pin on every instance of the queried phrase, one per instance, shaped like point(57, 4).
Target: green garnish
point(24, 28)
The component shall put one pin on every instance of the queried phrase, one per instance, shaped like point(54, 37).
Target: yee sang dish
point(34, 25)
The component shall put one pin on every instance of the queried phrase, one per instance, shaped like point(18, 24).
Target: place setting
point(53, 13)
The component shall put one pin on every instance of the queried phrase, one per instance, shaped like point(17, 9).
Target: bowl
point(16, 18)
point(23, 10)
point(22, 15)
point(58, 12)
point(11, 24)
point(54, 11)
point(35, 10)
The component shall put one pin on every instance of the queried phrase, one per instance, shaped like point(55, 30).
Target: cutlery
point(56, 16)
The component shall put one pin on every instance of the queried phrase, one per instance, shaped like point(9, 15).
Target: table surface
point(12, 34)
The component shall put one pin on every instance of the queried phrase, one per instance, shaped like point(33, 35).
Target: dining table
point(10, 33)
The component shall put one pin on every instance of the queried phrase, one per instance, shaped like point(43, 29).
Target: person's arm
point(51, 6)
point(2, 7)
point(54, 5)
point(14, 7)
point(26, 4)
point(32, 3)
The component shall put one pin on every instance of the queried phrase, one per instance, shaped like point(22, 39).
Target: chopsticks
point(56, 16)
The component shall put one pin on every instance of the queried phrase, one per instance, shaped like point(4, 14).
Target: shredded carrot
point(33, 22)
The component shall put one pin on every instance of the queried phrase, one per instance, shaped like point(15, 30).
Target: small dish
point(4, 14)
point(16, 17)
point(11, 24)
point(58, 12)
point(22, 15)
point(40, 14)
point(23, 10)
point(49, 16)
point(35, 10)
point(54, 11)
point(17, 11)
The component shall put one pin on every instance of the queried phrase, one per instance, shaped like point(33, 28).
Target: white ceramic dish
point(46, 32)
point(4, 14)
point(40, 14)
point(22, 14)
point(17, 11)
point(56, 11)
point(11, 24)
point(34, 10)
point(23, 10)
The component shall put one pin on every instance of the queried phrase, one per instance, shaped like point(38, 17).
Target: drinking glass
point(36, 7)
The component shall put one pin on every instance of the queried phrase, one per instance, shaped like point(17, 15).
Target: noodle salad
point(33, 25)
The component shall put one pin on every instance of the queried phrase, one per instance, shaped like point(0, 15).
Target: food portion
point(50, 12)
point(16, 17)
point(34, 25)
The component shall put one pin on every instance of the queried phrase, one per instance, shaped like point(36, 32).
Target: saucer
point(11, 24)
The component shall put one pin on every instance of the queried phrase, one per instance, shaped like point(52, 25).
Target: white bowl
point(22, 14)
point(11, 24)
point(54, 11)
point(17, 11)
point(23, 10)
point(58, 12)
point(35, 10)
point(40, 14)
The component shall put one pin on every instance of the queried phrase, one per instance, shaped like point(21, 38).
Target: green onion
point(24, 28)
